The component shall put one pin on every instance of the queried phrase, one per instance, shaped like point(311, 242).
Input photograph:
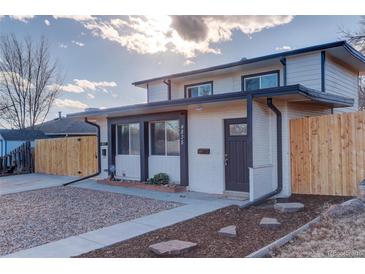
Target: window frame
point(165, 135)
point(187, 93)
point(258, 75)
point(129, 139)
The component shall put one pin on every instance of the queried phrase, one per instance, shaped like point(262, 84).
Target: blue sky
point(101, 56)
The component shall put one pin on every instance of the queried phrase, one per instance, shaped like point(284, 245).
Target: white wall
point(128, 167)
point(206, 130)
point(166, 164)
point(341, 81)
point(304, 69)
point(157, 92)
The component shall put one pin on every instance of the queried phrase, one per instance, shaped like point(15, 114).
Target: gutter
point(99, 158)
point(279, 144)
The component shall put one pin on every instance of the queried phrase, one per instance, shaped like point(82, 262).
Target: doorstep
point(237, 195)
point(143, 185)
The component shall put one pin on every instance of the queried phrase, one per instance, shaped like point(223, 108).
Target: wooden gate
point(328, 154)
point(72, 156)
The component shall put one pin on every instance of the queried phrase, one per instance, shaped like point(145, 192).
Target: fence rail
point(72, 156)
point(328, 154)
point(19, 160)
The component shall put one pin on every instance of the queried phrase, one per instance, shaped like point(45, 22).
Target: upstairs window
point(128, 139)
point(260, 81)
point(197, 90)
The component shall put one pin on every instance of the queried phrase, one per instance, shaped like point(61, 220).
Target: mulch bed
point(203, 230)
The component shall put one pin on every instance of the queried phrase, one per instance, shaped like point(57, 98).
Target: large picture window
point(260, 81)
point(165, 138)
point(196, 90)
point(128, 139)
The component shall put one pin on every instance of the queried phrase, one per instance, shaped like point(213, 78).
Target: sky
point(100, 56)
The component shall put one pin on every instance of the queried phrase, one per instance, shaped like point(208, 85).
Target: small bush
point(159, 179)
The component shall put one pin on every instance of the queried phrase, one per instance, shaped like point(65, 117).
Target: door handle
point(225, 159)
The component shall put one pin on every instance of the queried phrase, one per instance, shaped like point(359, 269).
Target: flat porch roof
point(292, 93)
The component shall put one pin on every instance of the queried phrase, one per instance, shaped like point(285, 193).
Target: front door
point(235, 157)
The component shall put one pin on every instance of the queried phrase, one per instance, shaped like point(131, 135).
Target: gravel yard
point(336, 238)
point(203, 230)
point(33, 218)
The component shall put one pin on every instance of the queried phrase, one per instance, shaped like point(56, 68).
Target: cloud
point(283, 48)
point(186, 35)
point(47, 22)
point(90, 96)
point(80, 18)
point(80, 86)
point(22, 18)
point(63, 46)
point(77, 43)
point(188, 62)
point(68, 103)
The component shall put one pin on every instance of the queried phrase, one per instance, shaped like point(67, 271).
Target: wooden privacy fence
point(17, 161)
point(72, 156)
point(328, 154)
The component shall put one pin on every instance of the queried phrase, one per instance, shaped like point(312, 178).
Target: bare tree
point(29, 82)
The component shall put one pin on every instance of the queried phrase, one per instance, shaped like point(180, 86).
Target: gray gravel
point(33, 218)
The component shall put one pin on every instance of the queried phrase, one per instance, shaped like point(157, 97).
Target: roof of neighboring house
point(343, 45)
point(21, 134)
point(299, 91)
point(67, 126)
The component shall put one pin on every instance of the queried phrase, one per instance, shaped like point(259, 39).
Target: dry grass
point(342, 237)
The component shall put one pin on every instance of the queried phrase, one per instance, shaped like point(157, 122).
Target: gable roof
point(67, 125)
point(347, 47)
point(21, 134)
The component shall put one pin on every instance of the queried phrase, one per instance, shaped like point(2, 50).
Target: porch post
point(111, 145)
point(184, 161)
point(143, 132)
point(249, 131)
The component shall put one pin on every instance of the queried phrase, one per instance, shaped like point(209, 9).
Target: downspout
point(279, 144)
point(99, 158)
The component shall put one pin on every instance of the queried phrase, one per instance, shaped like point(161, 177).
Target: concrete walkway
point(195, 204)
point(26, 182)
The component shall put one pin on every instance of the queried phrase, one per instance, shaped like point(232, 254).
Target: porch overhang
point(293, 93)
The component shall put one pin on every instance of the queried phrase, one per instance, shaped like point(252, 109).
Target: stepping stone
point(270, 222)
point(228, 231)
point(172, 247)
point(288, 207)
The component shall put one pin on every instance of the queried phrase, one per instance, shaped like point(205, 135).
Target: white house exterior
point(225, 129)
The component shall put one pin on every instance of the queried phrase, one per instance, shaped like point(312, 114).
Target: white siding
point(166, 164)
point(157, 92)
point(128, 167)
point(102, 122)
point(305, 69)
point(206, 130)
point(341, 81)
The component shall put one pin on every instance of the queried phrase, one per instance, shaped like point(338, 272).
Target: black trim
point(279, 155)
point(283, 62)
point(350, 49)
point(168, 83)
point(180, 115)
point(186, 95)
point(323, 71)
point(243, 77)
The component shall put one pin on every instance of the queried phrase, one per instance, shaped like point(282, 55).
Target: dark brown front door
point(235, 157)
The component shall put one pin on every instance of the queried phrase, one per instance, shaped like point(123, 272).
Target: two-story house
point(225, 129)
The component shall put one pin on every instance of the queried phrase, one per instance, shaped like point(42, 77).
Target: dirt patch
point(332, 237)
point(204, 230)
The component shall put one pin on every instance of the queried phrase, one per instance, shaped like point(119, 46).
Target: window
point(238, 129)
point(265, 80)
point(196, 90)
point(165, 138)
point(128, 139)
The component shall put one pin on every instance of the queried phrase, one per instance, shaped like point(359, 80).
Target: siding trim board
point(323, 71)
point(283, 62)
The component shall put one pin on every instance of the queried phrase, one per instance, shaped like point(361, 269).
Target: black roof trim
point(353, 51)
point(326, 98)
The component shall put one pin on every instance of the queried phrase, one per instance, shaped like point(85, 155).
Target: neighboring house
point(13, 138)
point(225, 129)
point(66, 127)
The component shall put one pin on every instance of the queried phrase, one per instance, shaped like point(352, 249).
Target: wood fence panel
point(72, 156)
point(328, 154)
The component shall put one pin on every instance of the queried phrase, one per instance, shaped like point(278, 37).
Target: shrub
point(159, 179)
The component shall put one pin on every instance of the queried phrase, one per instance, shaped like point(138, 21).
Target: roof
point(21, 134)
point(291, 90)
point(348, 48)
point(67, 125)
